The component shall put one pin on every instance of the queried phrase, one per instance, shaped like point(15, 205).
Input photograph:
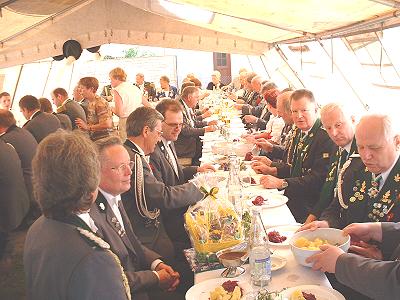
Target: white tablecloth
point(292, 274)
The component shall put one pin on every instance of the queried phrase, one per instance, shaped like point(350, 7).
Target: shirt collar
point(88, 220)
point(185, 105)
point(111, 199)
point(165, 142)
point(34, 114)
point(386, 173)
point(348, 147)
point(138, 147)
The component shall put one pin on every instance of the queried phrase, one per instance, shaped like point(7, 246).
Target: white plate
point(272, 200)
point(277, 262)
point(285, 230)
point(201, 291)
point(320, 292)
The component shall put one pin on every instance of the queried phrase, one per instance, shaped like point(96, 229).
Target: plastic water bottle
point(260, 260)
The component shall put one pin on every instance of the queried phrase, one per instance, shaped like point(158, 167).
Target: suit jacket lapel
point(165, 153)
point(180, 171)
point(113, 221)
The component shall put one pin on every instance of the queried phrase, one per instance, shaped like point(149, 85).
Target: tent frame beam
point(353, 29)
point(390, 3)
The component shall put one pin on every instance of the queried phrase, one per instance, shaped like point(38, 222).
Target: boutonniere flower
point(102, 206)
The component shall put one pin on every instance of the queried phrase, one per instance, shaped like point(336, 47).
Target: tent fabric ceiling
point(36, 29)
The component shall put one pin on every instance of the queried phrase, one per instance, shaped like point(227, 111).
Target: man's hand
point(364, 231)
point(310, 219)
point(169, 279)
point(261, 168)
point(366, 250)
point(232, 96)
point(314, 225)
point(206, 114)
point(250, 119)
point(206, 168)
point(265, 160)
point(264, 144)
point(81, 124)
point(271, 182)
point(213, 122)
point(326, 260)
point(210, 128)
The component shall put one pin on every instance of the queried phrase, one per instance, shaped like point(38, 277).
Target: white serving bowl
point(332, 235)
point(220, 148)
point(242, 149)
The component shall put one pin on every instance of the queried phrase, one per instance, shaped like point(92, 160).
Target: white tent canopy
point(34, 29)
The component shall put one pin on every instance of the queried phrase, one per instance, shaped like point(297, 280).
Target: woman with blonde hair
point(127, 98)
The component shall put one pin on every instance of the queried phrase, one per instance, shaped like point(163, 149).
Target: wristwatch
point(284, 185)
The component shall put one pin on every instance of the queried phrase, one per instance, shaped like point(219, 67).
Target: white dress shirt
point(113, 202)
point(170, 154)
point(88, 220)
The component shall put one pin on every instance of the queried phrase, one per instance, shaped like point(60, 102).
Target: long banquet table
point(292, 274)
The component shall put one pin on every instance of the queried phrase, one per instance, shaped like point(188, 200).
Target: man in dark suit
point(143, 267)
point(376, 276)
point(168, 170)
point(40, 124)
point(23, 142)
point(370, 186)
point(63, 257)
point(188, 144)
point(303, 177)
point(14, 200)
point(67, 106)
point(148, 195)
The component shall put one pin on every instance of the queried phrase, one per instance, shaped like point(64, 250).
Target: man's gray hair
point(104, 143)
point(387, 122)
point(333, 106)
point(66, 172)
point(140, 118)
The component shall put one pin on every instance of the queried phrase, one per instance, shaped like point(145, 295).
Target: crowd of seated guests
point(334, 169)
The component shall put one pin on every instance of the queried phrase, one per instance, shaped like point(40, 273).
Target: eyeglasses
point(174, 125)
point(159, 132)
point(123, 167)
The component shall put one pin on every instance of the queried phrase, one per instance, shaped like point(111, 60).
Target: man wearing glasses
point(149, 196)
point(167, 169)
point(144, 269)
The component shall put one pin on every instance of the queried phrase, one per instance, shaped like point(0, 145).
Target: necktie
point(169, 156)
point(376, 181)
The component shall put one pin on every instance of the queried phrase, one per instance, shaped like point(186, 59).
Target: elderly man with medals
point(339, 124)
point(308, 157)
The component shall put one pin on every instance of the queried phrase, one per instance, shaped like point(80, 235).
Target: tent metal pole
point(47, 78)
point(16, 84)
point(251, 66)
point(390, 3)
point(387, 55)
point(282, 55)
point(265, 68)
point(366, 107)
